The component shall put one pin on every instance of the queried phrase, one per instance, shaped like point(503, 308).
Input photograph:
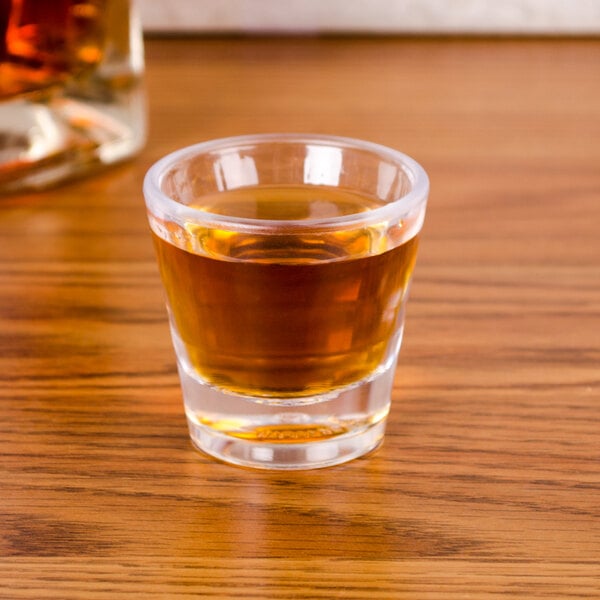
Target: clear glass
point(286, 261)
point(71, 97)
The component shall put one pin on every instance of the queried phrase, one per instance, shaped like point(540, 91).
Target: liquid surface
point(301, 202)
point(282, 320)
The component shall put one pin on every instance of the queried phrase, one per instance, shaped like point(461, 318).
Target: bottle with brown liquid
point(71, 97)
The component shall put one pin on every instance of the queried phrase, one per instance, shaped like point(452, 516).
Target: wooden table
point(488, 483)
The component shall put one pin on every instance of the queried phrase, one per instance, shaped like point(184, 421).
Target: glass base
point(268, 433)
point(286, 456)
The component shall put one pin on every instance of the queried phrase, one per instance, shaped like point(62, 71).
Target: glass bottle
point(71, 97)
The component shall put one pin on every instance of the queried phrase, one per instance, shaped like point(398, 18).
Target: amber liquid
point(45, 42)
point(291, 315)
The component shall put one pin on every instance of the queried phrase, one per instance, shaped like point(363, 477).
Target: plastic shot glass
point(286, 260)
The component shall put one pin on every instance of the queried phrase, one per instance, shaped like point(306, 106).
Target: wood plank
point(488, 483)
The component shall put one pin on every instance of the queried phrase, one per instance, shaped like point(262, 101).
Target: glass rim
point(156, 198)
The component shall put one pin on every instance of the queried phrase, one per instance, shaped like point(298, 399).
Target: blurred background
point(548, 17)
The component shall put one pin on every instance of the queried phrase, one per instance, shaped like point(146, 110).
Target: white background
point(374, 16)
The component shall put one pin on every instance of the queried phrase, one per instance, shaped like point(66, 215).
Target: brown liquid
point(45, 42)
point(288, 315)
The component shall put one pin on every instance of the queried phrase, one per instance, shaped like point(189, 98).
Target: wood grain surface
point(488, 483)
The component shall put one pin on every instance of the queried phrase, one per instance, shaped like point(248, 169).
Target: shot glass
point(286, 260)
